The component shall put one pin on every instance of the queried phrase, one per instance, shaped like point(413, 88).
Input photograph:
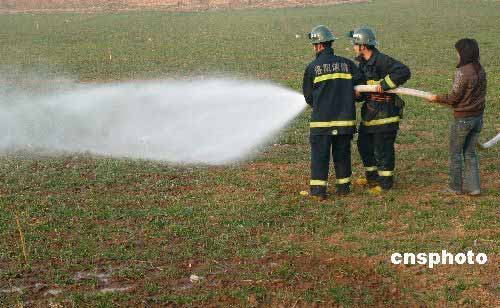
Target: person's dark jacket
point(382, 112)
point(328, 87)
point(468, 93)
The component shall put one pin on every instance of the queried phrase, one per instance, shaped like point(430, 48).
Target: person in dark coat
point(328, 87)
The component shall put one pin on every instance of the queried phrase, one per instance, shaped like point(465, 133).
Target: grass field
point(94, 224)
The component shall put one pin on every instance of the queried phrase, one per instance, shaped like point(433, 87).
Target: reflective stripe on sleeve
point(389, 81)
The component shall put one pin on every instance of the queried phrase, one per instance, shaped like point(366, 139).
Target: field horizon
point(18, 6)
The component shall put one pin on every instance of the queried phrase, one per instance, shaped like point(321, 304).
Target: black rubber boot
point(343, 189)
point(318, 191)
point(386, 182)
point(372, 178)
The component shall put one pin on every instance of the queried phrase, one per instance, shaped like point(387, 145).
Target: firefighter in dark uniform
point(329, 89)
point(381, 112)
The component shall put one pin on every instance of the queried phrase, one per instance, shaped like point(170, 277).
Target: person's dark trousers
point(378, 155)
point(322, 146)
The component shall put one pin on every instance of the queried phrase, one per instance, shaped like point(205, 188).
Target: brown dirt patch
point(16, 6)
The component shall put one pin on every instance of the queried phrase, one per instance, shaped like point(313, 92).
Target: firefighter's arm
point(307, 86)
point(397, 74)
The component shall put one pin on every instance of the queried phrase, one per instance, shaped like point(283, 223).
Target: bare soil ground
point(16, 6)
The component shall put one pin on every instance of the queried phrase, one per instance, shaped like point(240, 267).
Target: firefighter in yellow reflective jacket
point(329, 89)
point(381, 112)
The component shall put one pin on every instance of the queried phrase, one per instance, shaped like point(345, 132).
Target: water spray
point(212, 121)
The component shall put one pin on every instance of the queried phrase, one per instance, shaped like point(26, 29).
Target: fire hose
point(490, 143)
point(424, 95)
point(405, 91)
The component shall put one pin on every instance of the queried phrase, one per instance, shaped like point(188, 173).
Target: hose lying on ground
point(405, 91)
point(490, 143)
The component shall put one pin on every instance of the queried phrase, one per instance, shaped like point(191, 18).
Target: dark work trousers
point(378, 155)
point(340, 148)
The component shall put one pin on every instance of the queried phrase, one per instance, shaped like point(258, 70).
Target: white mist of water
point(212, 121)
